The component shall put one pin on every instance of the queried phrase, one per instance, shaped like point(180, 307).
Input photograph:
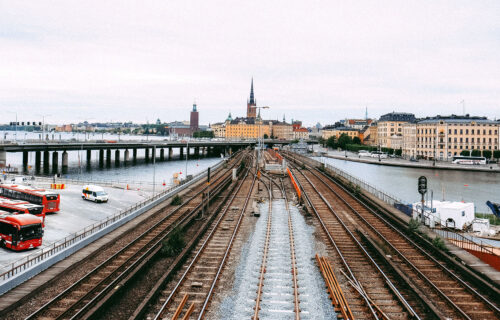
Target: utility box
point(452, 214)
point(481, 225)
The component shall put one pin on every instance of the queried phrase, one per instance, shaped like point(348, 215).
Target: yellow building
point(337, 132)
point(370, 134)
point(281, 130)
point(219, 129)
point(444, 137)
point(246, 128)
point(391, 124)
point(409, 140)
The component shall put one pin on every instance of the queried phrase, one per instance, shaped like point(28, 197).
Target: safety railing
point(31, 260)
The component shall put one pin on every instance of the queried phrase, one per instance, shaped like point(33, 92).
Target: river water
point(127, 173)
point(450, 185)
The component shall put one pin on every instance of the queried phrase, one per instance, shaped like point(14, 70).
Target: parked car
point(378, 154)
point(364, 153)
point(413, 159)
point(94, 193)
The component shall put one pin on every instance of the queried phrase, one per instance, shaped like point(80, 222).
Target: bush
point(331, 143)
point(439, 243)
point(496, 154)
point(398, 152)
point(344, 140)
point(356, 140)
point(465, 153)
point(177, 200)
point(174, 244)
point(357, 190)
point(413, 226)
point(487, 154)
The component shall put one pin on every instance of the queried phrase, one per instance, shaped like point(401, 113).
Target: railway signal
point(422, 189)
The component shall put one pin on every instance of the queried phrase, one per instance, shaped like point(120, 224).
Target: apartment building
point(390, 125)
point(409, 144)
point(442, 138)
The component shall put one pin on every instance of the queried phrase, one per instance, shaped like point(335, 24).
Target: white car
point(364, 153)
point(94, 193)
point(377, 154)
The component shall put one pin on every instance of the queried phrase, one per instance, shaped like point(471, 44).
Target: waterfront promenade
point(421, 164)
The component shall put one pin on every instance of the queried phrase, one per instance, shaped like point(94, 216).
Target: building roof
point(341, 129)
point(457, 119)
point(398, 116)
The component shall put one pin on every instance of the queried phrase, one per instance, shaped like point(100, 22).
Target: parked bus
point(49, 200)
point(469, 160)
point(20, 206)
point(20, 231)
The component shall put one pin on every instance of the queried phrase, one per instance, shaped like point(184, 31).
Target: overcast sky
point(311, 60)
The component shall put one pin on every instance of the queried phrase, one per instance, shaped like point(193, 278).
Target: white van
point(94, 193)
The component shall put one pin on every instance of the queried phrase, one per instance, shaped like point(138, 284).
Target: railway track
point(449, 295)
point(190, 296)
point(370, 292)
point(79, 300)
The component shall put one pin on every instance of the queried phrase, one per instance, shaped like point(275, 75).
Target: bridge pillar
point(170, 153)
point(55, 161)
point(38, 161)
point(46, 162)
point(25, 161)
point(89, 157)
point(197, 152)
point(126, 156)
point(3, 159)
point(187, 152)
point(153, 154)
point(181, 152)
point(108, 157)
point(146, 154)
point(64, 162)
point(134, 155)
point(162, 154)
point(101, 158)
point(117, 157)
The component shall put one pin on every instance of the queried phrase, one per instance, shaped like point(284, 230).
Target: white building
point(452, 214)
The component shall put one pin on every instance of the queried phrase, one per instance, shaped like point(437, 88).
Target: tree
point(487, 154)
point(330, 142)
point(476, 153)
point(398, 152)
point(344, 140)
point(356, 140)
point(322, 141)
point(465, 153)
point(496, 154)
point(203, 134)
point(266, 136)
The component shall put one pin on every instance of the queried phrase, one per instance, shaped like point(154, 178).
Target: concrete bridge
point(50, 150)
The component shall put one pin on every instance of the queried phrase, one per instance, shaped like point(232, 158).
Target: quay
point(421, 164)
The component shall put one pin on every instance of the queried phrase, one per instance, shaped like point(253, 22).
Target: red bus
point(20, 231)
point(20, 206)
point(49, 200)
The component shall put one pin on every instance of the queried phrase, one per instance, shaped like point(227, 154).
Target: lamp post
point(260, 141)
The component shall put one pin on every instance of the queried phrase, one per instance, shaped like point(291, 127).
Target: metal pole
point(154, 169)
point(187, 156)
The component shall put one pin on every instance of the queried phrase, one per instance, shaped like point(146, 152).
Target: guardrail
point(456, 238)
point(32, 260)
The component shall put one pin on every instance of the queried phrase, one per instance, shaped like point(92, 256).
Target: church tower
point(251, 104)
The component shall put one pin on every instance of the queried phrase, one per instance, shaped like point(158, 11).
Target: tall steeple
point(252, 97)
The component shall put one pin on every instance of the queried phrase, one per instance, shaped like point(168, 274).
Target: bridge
point(50, 150)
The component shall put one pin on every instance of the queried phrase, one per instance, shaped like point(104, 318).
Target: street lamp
point(260, 141)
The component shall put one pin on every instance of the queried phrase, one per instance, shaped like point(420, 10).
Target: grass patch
point(494, 220)
point(174, 244)
point(413, 226)
point(177, 200)
point(439, 243)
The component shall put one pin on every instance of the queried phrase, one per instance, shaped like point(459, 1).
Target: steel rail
point(391, 227)
point(264, 254)
point(188, 269)
point(117, 254)
point(334, 244)
point(226, 254)
point(292, 252)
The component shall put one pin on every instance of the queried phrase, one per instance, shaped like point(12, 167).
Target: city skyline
point(72, 63)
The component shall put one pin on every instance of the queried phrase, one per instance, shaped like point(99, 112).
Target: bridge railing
point(33, 259)
point(455, 237)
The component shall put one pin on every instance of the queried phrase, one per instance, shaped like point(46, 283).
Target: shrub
point(173, 244)
point(413, 226)
point(496, 154)
point(465, 153)
point(177, 200)
point(487, 154)
point(439, 243)
point(476, 153)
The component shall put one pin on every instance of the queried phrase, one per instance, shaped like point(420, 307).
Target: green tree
point(356, 140)
point(476, 153)
point(344, 140)
point(266, 136)
point(496, 154)
point(203, 134)
point(465, 153)
point(398, 152)
point(331, 143)
point(487, 154)
point(322, 141)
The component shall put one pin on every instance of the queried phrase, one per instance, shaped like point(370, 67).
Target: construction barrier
point(57, 186)
point(295, 185)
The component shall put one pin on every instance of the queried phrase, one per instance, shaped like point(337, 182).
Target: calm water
point(452, 185)
point(140, 172)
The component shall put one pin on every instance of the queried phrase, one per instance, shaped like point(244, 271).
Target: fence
point(456, 238)
point(32, 260)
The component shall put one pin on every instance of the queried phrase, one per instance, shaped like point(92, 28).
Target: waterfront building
point(409, 140)
point(246, 128)
point(370, 134)
point(390, 124)
point(357, 123)
point(443, 137)
point(338, 131)
point(300, 134)
point(219, 129)
point(281, 130)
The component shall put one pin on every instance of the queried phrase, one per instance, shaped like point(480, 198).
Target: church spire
point(252, 97)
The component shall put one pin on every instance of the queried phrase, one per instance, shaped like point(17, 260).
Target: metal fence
point(31, 260)
point(455, 237)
